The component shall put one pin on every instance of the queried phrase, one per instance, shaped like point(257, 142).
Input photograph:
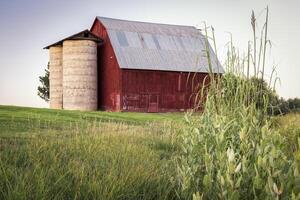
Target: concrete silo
point(55, 77)
point(80, 83)
point(73, 72)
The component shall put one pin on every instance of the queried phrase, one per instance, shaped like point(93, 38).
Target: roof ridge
point(125, 20)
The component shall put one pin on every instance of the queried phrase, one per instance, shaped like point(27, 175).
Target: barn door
point(153, 103)
point(144, 102)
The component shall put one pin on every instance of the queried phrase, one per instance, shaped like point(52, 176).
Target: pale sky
point(29, 25)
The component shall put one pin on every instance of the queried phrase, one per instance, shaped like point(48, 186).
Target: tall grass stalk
point(232, 151)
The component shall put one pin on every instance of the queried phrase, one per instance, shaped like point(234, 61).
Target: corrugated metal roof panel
point(150, 46)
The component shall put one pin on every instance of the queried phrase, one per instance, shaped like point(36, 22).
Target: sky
point(29, 25)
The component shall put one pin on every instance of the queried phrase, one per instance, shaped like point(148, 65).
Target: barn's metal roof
point(151, 46)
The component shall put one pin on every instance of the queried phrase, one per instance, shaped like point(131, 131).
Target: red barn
point(124, 65)
point(150, 67)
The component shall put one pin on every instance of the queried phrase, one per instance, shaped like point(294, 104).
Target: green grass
point(289, 126)
point(53, 154)
point(22, 119)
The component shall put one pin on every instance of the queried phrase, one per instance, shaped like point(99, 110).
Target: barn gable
point(150, 46)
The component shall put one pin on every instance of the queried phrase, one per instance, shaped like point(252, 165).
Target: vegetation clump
point(233, 151)
point(43, 89)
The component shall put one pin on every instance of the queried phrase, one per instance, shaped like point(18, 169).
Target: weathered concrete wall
point(80, 84)
point(55, 77)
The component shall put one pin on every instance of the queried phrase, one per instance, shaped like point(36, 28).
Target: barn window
point(156, 42)
point(166, 42)
point(148, 39)
point(133, 39)
point(142, 39)
point(180, 42)
point(186, 41)
point(122, 38)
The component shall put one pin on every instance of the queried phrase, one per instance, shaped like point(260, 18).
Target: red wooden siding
point(109, 73)
point(160, 91)
point(142, 90)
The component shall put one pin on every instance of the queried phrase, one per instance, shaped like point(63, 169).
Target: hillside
point(55, 154)
point(22, 119)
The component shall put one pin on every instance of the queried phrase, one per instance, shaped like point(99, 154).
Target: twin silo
point(73, 72)
point(55, 77)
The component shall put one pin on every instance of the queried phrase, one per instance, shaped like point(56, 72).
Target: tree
point(294, 104)
point(43, 89)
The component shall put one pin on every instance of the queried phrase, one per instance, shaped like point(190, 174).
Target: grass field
point(23, 118)
point(52, 154)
